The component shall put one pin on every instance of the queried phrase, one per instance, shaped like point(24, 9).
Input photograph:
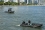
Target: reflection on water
point(9, 21)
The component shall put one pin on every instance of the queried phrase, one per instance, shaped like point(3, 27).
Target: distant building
point(21, 0)
point(5, 1)
point(35, 2)
point(11, 0)
point(38, 2)
point(15, 1)
point(25, 1)
point(29, 1)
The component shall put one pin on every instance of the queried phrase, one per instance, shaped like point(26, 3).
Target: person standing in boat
point(29, 22)
point(9, 9)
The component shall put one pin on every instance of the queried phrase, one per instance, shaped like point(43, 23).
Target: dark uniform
point(23, 22)
point(9, 9)
point(29, 22)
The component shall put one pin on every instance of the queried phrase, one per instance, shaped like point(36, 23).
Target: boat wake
point(18, 25)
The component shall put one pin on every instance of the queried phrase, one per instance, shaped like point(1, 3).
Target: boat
point(9, 11)
point(34, 25)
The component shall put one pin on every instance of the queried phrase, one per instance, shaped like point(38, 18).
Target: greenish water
point(10, 21)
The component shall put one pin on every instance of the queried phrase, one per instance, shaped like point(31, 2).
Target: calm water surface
point(10, 21)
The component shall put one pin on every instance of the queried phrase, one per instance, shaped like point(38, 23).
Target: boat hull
point(33, 26)
point(9, 12)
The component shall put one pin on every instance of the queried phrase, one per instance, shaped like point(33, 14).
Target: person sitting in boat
point(26, 23)
point(23, 22)
point(29, 22)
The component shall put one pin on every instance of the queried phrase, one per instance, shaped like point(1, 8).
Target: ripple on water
point(23, 13)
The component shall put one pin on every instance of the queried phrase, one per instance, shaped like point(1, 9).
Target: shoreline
point(22, 5)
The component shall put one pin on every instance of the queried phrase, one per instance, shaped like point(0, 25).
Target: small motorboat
point(34, 25)
point(9, 11)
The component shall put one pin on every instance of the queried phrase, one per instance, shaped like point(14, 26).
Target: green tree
point(2, 0)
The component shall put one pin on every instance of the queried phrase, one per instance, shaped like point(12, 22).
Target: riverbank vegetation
point(14, 3)
point(1, 3)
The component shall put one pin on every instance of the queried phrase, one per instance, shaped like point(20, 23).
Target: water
point(11, 21)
